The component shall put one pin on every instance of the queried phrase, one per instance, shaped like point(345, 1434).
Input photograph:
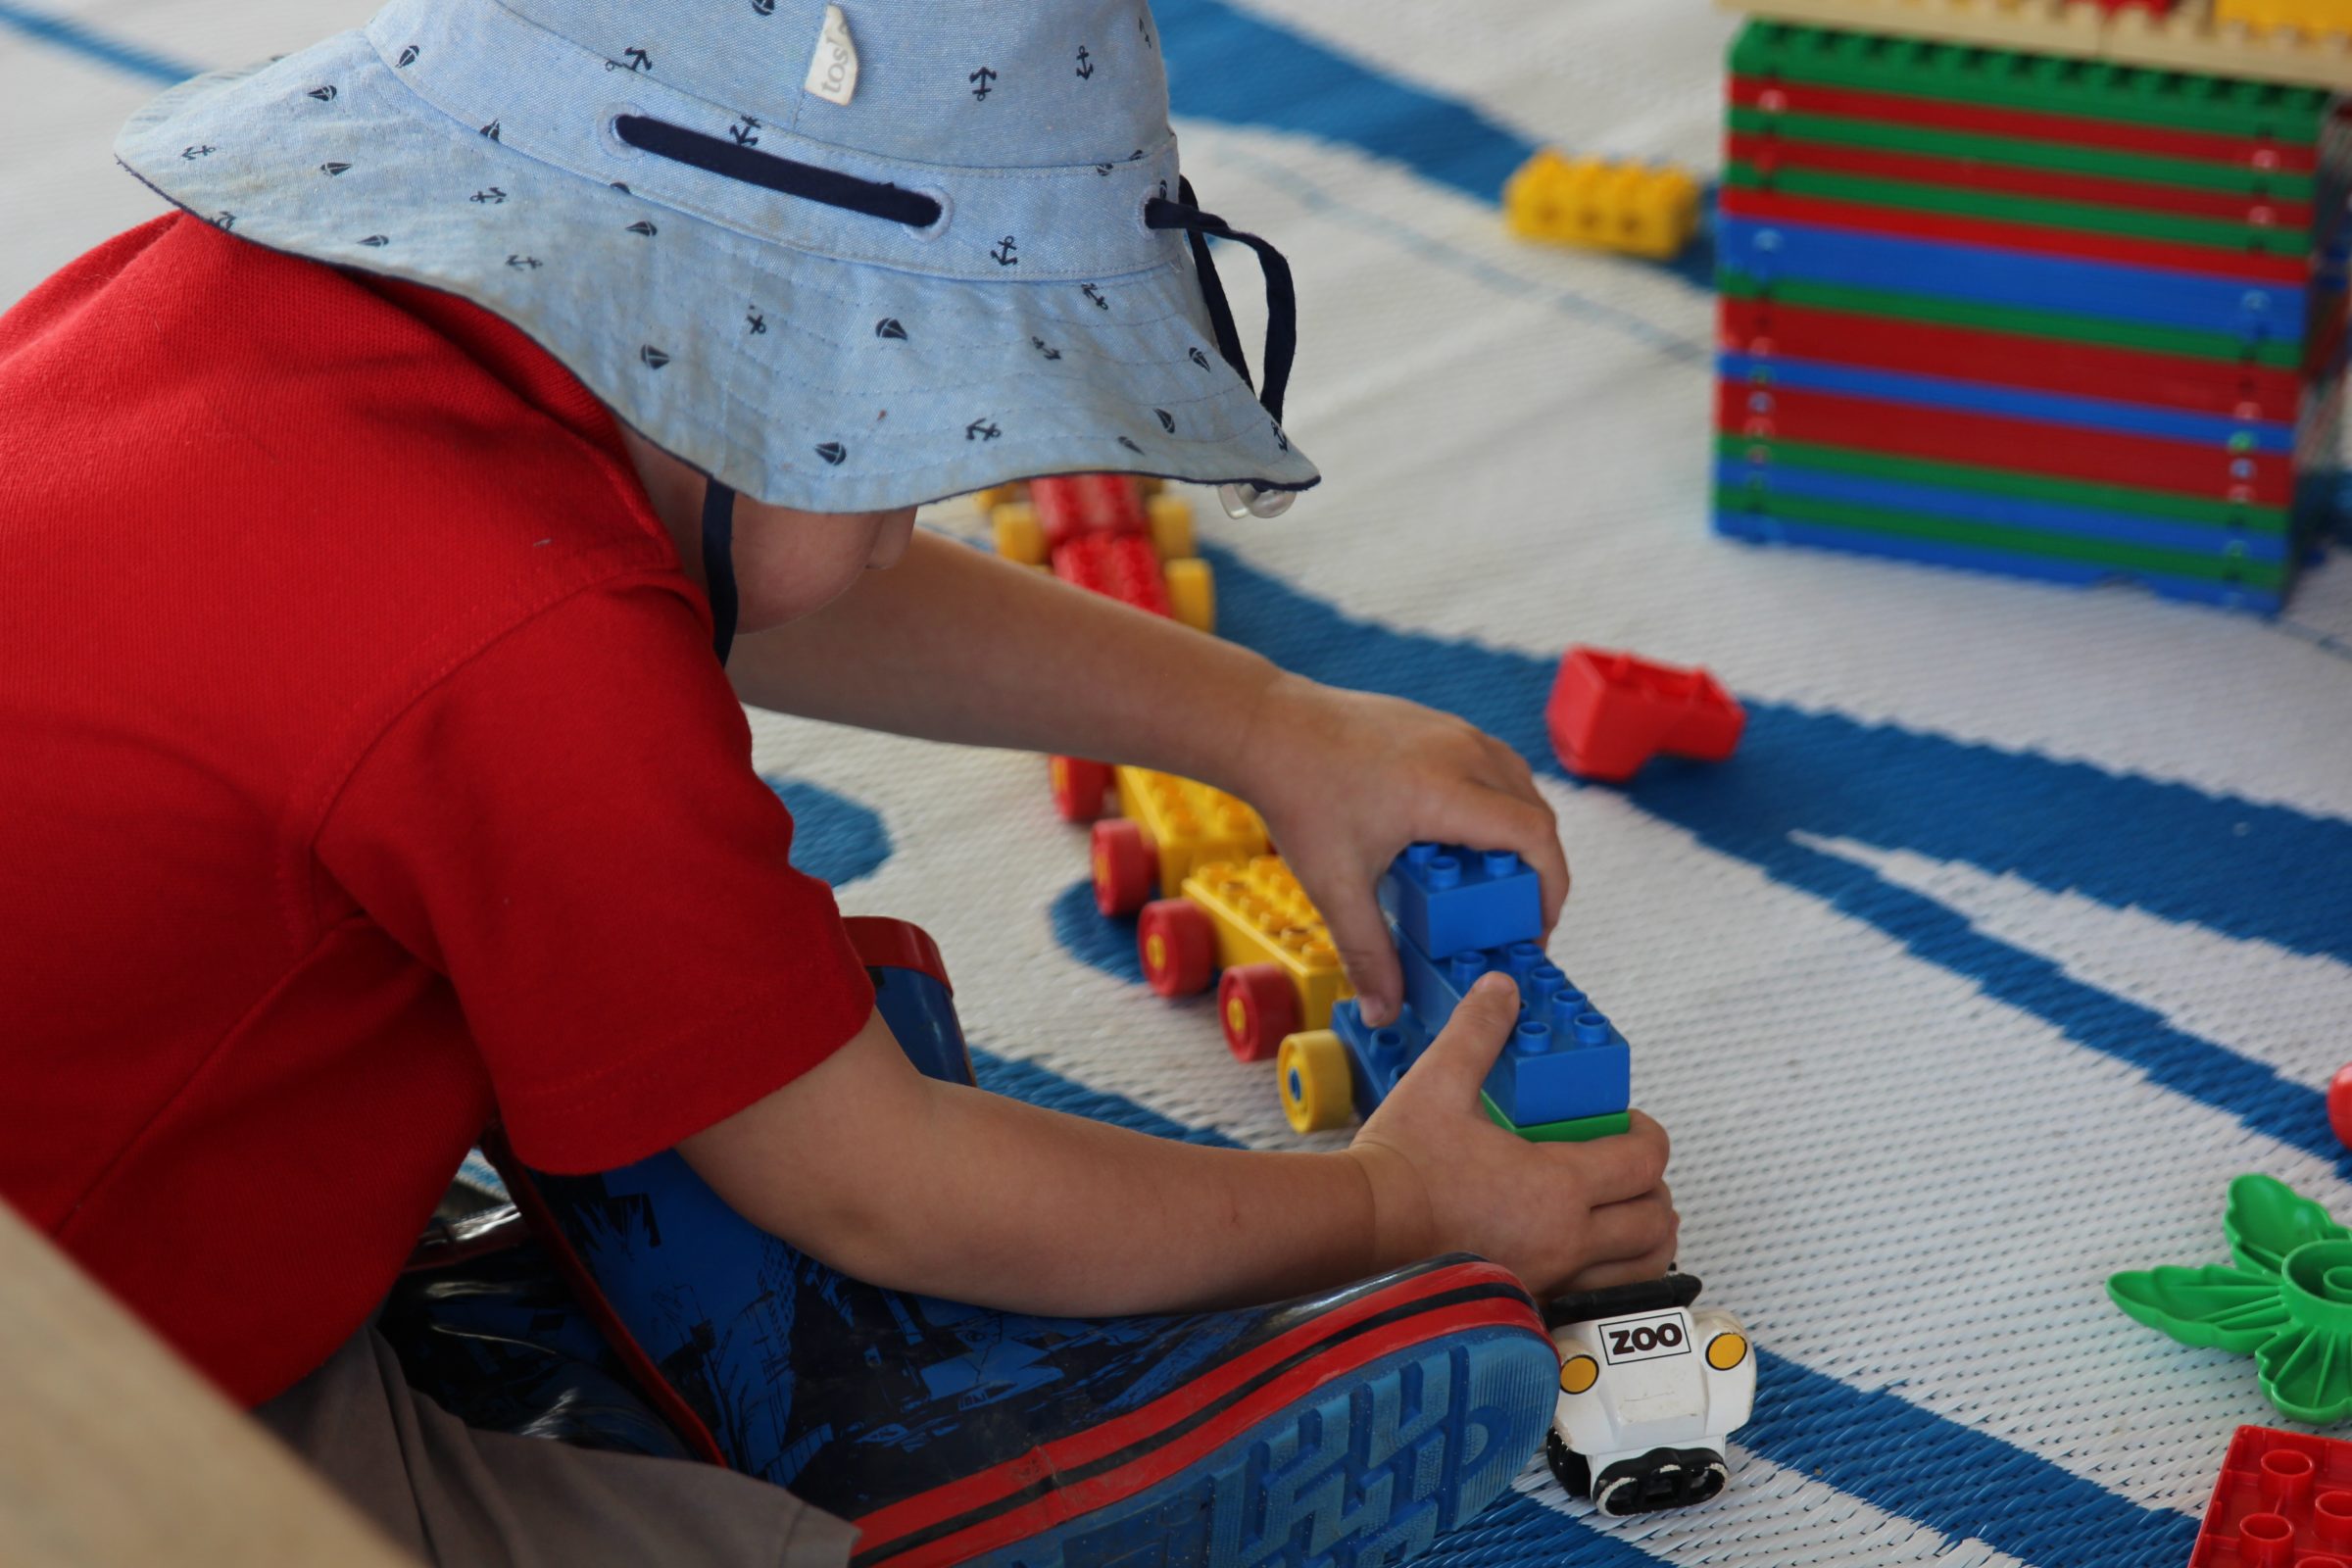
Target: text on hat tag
point(833, 71)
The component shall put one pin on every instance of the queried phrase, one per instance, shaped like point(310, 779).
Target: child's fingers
point(1500, 818)
point(1455, 1063)
point(1617, 1170)
point(1510, 775)
point(1360, 934)
point(1633, 1229)
point(1550, 863)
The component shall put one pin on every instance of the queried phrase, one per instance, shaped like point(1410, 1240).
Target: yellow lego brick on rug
point(1603, 204)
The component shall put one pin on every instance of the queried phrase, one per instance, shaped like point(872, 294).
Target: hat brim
point(795, 377)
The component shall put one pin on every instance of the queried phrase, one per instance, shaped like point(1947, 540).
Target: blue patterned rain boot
point(1350, 1429)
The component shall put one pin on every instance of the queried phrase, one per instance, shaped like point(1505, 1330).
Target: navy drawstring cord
point(1282, 295)
point(718, 564)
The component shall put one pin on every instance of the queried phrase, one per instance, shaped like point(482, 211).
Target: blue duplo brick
point(1446, 898)
point(1564, 1060)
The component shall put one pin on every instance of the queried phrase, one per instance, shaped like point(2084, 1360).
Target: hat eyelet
point(938, 226)
point(608, 130)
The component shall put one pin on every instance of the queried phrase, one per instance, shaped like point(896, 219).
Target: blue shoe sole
point(1368, 1470)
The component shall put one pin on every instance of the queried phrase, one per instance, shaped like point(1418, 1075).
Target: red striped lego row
point(1116, 566)
point(1806, 98)
point(1771, 154)
point(1072, 505)
point(1763, 328)
point(2203, 261)
point(1994, 441)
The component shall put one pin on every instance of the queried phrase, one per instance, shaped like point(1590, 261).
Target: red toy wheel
point(1078, 787)
point(1126, 866)
point(1259, 1005)
point(2340, 1106)
point(1178, 945)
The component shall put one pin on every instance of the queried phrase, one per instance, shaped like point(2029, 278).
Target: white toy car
point(1650, 1389)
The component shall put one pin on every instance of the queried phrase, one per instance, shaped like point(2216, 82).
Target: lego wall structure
point(2027, 313)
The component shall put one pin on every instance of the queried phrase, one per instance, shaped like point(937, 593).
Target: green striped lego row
point(2278, 354)
point(2011, 484)
point(2220, 566)
point(2082, 217)
point(2086, 90)
point(2018, 152)
point(1583, 1130)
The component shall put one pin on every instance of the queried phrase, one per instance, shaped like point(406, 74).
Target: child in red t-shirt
point(371, 773)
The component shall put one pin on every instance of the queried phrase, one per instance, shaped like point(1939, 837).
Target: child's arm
point(953, 644)
point(924, 1186)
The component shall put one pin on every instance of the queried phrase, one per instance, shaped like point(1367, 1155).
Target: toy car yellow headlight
point(1726, 1351)
point(1579, 1373)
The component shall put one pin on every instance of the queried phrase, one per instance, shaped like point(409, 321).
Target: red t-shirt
point(363, 768)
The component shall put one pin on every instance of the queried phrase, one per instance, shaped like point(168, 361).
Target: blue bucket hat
point(844, 257)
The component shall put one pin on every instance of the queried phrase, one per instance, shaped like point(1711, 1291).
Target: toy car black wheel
point(1661, 1479)
point(1568, 1467)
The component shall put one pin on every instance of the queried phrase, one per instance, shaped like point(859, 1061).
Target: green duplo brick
point(1583, 1130)
point(2000, 78)
point(2278, 354)
point(2110, 163)
point(2124, 500)
point(2125, 559)
point(2060, 217)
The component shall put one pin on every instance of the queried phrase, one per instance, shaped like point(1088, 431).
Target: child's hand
point(1347, 779)
point(1444, 1178)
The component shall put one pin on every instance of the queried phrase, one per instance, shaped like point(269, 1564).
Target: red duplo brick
point(1610, 712)
point(2284, 1499)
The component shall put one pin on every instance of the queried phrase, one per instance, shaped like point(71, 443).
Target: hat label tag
point(833, 71)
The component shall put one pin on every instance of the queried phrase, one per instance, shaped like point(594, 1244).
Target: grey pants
point(461, 1498)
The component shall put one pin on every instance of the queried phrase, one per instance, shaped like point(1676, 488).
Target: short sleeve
point(568, 828)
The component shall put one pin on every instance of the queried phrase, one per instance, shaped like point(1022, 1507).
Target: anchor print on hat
point(747, 270)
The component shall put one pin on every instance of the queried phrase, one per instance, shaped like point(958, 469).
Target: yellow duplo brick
point(1188, 824)
point(1261, 916)
point(1602, 204)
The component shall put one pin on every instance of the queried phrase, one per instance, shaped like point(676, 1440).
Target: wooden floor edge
point(114, 1453)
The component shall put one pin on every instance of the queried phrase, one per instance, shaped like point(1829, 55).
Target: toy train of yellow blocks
point(1603, 204)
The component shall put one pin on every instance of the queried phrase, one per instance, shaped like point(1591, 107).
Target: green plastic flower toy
point(2288, 1304)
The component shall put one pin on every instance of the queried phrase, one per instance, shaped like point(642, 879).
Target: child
point(371, 523)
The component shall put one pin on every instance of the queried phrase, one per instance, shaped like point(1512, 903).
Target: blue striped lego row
point(1976, 397)
point(1779, 477)
point(1564, 1060)
point(2075, 573)
point(1768, 251)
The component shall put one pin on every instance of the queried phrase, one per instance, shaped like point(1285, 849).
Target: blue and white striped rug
point(2020, 923)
